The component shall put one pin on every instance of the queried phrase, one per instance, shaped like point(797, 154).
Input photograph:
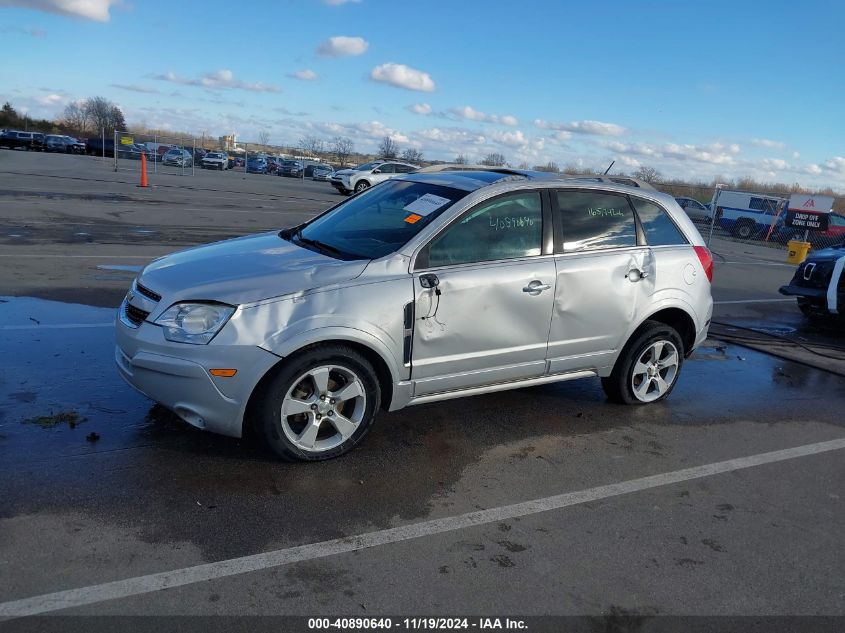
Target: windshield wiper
point(328, 248)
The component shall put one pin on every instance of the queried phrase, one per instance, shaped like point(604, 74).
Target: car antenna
point(608, 167)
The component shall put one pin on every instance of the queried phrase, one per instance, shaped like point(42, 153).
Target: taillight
point(706, 260)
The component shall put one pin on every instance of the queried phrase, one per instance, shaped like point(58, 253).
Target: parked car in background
point(819, 284)
point(178, 157)
point(256, 164)
point(57, 143)
point(14, 139)
point(834, 234)
point(291, 168)
point(364, 176)
point(215, 160)
point(408, 294)
point(696, 211)
point(274, 163)
point(322, 172)
point(199, 154)
point(95, 146)
point(75, 146)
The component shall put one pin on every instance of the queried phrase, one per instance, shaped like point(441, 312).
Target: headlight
point(195, 323)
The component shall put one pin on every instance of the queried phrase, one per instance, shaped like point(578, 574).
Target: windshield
point(381, 220)
point(367, 166)
point(213, 155)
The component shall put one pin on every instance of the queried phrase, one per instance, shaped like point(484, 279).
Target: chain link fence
point(175, 155)
point(752, 217)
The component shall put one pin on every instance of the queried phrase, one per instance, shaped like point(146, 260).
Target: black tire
point(268, 417)
point(361, 185)
point(619, 386)
point(744, 230)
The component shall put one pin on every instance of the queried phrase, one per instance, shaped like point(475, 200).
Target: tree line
point(80, 118)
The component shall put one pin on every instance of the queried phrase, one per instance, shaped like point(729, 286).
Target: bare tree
point(312, 145)
point(460, 159)
point(342, 148)
point(388, 148)
point(494, 160)
point(412, 155)
point(103, 114)
point(649, 174)
point(550, 167)
point(75, 118)
point(264, 138)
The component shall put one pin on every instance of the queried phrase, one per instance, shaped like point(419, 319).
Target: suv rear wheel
point(648, 367)
point(319, 404)
point(744, 230)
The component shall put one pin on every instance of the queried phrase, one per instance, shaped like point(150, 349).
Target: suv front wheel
point(319, 404)
point(361, 185)
point(648, 367)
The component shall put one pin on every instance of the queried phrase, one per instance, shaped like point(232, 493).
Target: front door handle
point(535, 288)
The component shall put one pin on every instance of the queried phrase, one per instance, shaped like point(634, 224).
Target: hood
point(344, 172)
point(827, 254)
point(244, 270)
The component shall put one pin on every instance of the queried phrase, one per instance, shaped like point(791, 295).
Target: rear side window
point(593, 220)
point(658, 227)
point(507, 227)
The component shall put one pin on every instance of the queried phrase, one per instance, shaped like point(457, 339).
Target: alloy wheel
point(654, 371)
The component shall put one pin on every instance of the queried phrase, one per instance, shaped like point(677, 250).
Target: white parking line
point(778, 300)
point(222, 569)
point(755, 263)
point(148, 257)
point(57, 326)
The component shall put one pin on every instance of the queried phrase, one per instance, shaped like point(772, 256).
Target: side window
point(404, 169)
point(658, 227)
point(507, 227)
point(594, 220)
point(387, 168)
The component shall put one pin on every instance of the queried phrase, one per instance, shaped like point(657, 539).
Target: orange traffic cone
point(143, 171)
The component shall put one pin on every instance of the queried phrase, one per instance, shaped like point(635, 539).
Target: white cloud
point(402, 76)
point(420, 108)
point(767, 143)
point(217, 80)
point(472, 114)
point(51, 99)
point(135, 88)
point(304, 75)
point(343, 46)
point(451, 136)
point(97, 10)
point(597, 128)
point(835, 164)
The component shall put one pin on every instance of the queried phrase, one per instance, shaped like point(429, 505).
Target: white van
point(747, 215)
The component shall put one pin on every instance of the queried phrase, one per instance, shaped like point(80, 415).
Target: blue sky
point(696, 90)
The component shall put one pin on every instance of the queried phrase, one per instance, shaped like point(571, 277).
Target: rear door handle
point(636, 274)
point(536, 287)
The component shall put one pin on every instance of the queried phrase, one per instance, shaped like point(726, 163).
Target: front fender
point(287, 342)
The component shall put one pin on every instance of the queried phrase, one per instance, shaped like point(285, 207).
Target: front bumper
point(802, 291)
point(177, 376)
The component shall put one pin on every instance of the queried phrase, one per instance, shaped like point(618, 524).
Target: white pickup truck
point(215, 160)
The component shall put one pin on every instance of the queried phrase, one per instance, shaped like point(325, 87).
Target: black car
point(63, 144)
point(27, 140)
point(819, 283)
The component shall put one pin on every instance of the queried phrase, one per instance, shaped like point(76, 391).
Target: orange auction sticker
point(413, 218)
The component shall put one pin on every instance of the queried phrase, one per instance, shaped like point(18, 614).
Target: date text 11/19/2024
point(416, 624)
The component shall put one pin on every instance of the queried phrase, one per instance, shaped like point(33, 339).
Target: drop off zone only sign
point(809, 212)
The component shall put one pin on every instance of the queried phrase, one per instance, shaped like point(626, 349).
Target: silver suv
point(423, 288)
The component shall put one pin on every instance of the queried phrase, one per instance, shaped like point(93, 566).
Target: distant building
point(228, 142)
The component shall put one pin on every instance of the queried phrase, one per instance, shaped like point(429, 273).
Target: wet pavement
point(101, 484)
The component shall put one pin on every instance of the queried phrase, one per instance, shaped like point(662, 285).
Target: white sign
point(812, 204)
point(426, 204)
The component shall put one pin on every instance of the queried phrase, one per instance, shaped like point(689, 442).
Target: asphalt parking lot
point(726, 499)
